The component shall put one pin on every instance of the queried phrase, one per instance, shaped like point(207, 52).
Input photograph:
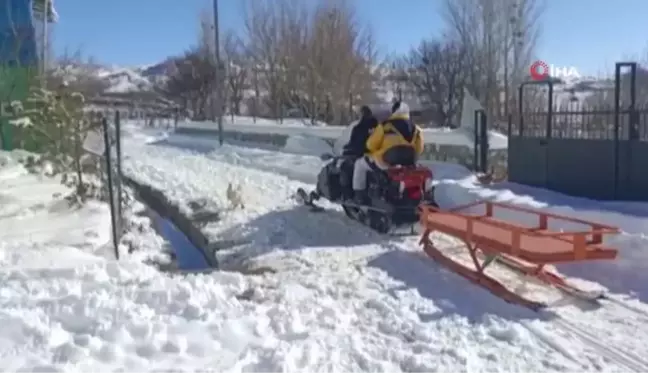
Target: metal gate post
point(549, 85)
point(632, 131)
point(480, 143)
point(476, 141)
point(483, 143)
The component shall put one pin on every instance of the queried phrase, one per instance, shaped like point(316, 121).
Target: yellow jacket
point(398, 130)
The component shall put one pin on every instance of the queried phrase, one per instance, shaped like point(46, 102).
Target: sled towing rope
point(524, 249)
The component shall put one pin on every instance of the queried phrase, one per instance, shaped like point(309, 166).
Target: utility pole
point(219, 78)
point(44, 43)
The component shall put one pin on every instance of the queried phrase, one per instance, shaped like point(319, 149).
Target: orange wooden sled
point(526, 249)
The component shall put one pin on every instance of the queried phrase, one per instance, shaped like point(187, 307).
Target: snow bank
point(290, 122)
point(139, 131)
point(32, 209)
point(447, 171)
point(304, 144)
point(13, 158)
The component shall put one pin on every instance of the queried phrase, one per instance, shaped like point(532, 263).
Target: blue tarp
point(17, 33)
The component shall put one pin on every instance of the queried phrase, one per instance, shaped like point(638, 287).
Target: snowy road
point(277, 233)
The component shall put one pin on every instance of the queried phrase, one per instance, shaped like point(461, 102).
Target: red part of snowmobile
point(413, 182)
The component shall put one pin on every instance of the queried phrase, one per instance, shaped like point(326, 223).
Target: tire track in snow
point(591, 334)
point(605, 349)
point(641, 312)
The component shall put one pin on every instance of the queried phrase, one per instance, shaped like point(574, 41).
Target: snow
point(628, 274)
point(31, 214)
point(343, 138)
point(235, 121)
point(329, 295)
point(275, 233)
point(122, 80)
point(303, 144)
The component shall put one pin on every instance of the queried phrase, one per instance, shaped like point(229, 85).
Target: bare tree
point(78, 73)
point(340, 54)
point(313, 59)
point(191, 82)
point(237, 71)
point(436, 71)
point(206, 47)
point(499, 37)
point(206, 34)
point(263, 23)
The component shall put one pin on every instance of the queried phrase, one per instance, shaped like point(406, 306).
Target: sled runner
point(394, 195)
point(489, 238)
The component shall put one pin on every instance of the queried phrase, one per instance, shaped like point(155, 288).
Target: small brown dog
point(234, 196)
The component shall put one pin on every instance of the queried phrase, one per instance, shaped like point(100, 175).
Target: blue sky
point(589, 35)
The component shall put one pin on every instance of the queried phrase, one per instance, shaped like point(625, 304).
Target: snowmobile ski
point(308, 200)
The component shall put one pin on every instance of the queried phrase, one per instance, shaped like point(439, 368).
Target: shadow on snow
point(451, 293)
point(297, 227)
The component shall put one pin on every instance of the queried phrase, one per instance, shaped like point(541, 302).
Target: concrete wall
point(435, 149)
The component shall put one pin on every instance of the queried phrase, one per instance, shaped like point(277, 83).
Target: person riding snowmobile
point(356, 148)
point(396, 141)
point(357, 145)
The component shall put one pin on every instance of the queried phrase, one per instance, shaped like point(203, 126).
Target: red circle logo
point(539, 70)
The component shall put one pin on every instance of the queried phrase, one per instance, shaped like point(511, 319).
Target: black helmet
point(365, 111)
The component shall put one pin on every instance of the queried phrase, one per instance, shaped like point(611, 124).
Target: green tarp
point(14, 86)
point(18, 56)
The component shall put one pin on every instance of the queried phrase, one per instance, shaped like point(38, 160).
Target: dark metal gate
point(480, 142)
point(599, 154)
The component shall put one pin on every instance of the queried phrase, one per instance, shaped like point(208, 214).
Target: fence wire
point(584, 124)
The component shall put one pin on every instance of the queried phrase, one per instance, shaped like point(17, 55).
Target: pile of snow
point(141, 132)
point(124, 80)
point(243, 120)
point(289, 122)
point(304, 144)
point(33, 213)
point(448, 171)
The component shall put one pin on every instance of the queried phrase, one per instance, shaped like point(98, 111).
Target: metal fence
point(600, 153)
point(106, 143)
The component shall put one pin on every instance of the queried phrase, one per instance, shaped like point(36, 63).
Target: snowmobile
point(394, 195)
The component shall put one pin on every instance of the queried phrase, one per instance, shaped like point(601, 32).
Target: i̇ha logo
point(540, 70)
